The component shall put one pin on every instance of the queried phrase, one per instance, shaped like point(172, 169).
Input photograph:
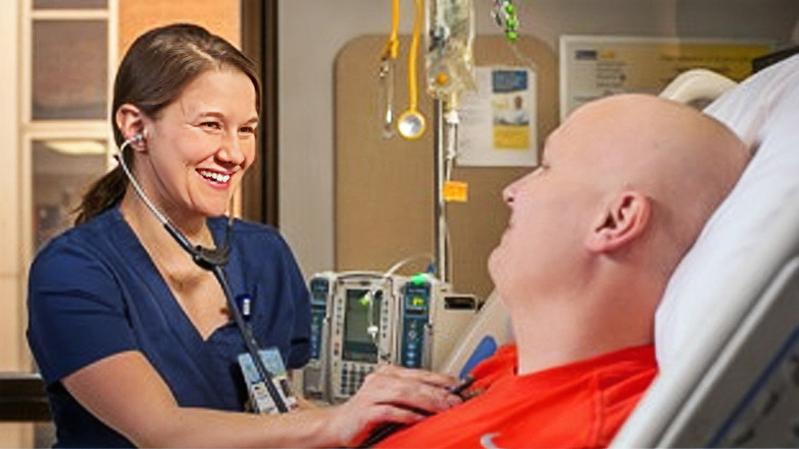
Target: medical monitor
point(358, 344)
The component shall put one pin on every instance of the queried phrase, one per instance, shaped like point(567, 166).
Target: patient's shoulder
point(620, 385)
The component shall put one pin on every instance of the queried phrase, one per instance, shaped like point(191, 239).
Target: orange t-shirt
point(581, 404)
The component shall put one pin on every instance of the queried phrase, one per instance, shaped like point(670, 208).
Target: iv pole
point(440, 223)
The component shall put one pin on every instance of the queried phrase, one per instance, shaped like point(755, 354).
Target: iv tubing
point(391, 50)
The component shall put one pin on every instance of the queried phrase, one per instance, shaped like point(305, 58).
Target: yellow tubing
point(413, 87)
point(391, 50)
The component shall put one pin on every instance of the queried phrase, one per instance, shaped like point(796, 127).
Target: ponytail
point(105, 193)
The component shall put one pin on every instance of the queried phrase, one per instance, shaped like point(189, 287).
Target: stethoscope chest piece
point(411, 125)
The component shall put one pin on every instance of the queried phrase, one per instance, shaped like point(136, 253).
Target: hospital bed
point(727, 329)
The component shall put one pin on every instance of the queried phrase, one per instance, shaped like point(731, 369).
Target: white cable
point(120, 157)
point(521, 57)
point(448, 245)
point(405, 261)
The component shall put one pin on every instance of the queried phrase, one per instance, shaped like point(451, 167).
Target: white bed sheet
point(722, 271)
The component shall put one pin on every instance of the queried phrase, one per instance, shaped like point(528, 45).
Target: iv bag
point(449, 60)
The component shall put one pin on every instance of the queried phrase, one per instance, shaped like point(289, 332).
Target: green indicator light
point(418, 279)
point(365, 300)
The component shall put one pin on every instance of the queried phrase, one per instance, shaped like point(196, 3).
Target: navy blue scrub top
point(95, 292)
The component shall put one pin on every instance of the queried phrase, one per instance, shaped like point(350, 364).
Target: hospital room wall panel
point(384, 188)
point(766, 18)
point(382, 206)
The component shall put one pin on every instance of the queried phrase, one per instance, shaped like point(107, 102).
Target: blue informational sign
point(505, 81)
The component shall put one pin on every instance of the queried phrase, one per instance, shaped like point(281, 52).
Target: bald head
point(625, 185)
point(682, 160)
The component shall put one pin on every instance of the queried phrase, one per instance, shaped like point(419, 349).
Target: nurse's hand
point(391, 394)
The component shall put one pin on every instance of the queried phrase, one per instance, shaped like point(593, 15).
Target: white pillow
point(753, 231)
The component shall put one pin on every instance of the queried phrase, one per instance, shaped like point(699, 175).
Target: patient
point(625, 186)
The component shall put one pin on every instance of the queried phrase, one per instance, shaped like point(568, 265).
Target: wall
point(11, 313)
point(313, 31)
point(221, 17)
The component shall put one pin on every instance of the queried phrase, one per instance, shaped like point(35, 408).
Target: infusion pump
point(361, 320)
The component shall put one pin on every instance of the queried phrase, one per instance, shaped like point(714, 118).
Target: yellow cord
point(391, 50)
point(413, 94)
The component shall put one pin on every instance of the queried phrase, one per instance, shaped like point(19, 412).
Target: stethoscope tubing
point(213, 261)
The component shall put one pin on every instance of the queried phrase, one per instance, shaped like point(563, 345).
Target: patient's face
point(603, 149)
point(550, 210)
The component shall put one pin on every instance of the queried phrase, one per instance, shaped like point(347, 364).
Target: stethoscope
point(213, 260)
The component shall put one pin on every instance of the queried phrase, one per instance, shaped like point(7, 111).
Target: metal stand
point(440, 224)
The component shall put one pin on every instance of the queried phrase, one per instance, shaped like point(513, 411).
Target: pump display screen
point(358, 345)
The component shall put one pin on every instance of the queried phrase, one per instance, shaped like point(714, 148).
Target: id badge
point(260, 400)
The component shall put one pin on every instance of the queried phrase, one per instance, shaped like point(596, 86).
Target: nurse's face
point(200, 145)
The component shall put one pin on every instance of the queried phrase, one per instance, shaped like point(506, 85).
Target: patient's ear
point(622, 221)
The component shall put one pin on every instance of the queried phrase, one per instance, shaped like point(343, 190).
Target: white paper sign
point(593, 67)
point(498, 121)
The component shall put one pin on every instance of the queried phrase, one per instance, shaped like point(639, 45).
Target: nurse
point(135, 341)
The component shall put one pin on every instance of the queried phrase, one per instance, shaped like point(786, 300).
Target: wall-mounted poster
point(593, 67)
point(498, 121)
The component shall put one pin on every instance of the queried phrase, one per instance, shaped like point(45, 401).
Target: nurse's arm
point(126, 393)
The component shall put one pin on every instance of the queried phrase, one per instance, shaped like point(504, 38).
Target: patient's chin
point(494, 265)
